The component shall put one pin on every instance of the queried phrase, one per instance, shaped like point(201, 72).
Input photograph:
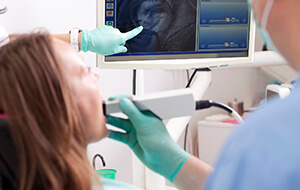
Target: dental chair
point(8, 158)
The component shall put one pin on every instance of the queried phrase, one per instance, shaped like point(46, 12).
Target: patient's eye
point(88, 70)
point(92, 72)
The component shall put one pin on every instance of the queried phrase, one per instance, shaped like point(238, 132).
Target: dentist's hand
point(106, 40)
point(147, 136)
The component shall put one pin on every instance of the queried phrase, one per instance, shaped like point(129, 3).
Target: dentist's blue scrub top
point(264, 154)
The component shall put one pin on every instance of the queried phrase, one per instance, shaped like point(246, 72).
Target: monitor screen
point(180, 34)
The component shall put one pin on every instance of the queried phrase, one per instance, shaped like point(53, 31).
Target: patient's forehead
point(62, 45)
point(69, 58)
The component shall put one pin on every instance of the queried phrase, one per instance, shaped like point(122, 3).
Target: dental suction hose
point(204, 104)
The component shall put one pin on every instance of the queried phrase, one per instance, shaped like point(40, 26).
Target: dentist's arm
point(147, 136)
point(104, 40)
point(193, 174)
point(64, 37)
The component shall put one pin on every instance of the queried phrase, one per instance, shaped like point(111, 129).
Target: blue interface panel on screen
point(180, 34)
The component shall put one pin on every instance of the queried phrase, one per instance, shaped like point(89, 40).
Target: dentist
point(262, 155)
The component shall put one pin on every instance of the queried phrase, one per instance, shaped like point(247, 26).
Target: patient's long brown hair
point(44, 121)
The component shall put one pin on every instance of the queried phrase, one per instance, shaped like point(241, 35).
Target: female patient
point(54, 109)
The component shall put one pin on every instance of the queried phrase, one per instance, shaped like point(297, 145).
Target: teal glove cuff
point(179, 167)
point(171, 160)
point(84, 43)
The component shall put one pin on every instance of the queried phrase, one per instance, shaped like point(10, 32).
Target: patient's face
point(84, 89)
point(154, 15)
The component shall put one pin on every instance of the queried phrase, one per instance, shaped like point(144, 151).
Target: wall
point(59, 16)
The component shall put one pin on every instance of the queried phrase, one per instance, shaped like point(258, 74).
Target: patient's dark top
point(8, 158)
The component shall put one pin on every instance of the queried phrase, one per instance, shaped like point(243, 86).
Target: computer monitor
point(180, 34)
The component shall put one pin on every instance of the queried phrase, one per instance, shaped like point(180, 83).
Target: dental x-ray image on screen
point(169, 25)
point(201, 30)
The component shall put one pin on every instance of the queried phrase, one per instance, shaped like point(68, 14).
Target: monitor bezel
point(175, 64)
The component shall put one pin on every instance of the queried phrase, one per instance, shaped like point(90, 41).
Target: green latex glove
point(120, 96)
point(106, 40)
point(149, 139)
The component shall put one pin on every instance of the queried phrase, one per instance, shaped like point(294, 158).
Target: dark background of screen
point(180, 29)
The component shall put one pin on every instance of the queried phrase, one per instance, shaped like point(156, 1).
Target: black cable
point(204, 104)
point(265, 47)
point(187, 86)
point(191, 79)
point(187, 75)
point(226, 108)
point(193, 75)
point(134, 82)
point(185, 136)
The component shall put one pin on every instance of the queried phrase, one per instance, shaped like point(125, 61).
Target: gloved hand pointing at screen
point(147, 136)
point(106, 40)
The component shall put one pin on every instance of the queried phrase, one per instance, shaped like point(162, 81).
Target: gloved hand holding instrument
point(149, 139)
